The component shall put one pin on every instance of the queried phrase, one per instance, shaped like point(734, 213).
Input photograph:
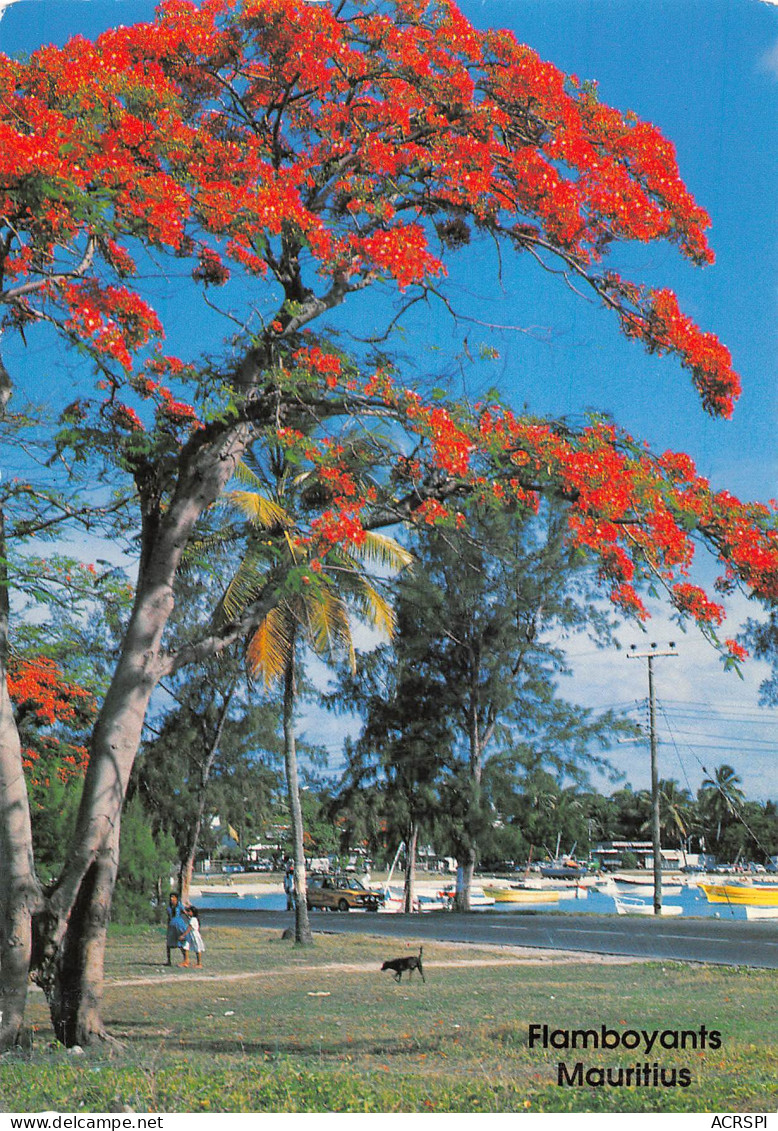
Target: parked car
point(341, 893)
point(262, 865)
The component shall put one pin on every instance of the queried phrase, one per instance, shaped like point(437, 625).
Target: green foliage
point(465, 706)
point(53, 812)
point(144, 868)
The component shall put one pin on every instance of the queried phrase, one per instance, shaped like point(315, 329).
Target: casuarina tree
point(315, 151)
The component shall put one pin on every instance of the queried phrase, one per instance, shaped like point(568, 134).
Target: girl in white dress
point(193, 936)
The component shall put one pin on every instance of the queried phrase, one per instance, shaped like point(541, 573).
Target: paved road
point(725, 942)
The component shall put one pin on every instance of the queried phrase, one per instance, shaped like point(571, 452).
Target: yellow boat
point(744, 895)
point(521, 895)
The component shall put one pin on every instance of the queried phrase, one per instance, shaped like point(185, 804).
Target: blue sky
point(706, 73)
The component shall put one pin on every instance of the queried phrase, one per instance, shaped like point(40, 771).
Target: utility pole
point(656, 842)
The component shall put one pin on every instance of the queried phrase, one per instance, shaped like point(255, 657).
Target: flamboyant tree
point(54, 716)
point(314, 151)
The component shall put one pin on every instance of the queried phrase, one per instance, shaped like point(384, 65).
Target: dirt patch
point(506, 956)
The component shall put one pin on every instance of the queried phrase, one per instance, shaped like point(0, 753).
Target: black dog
point(410, 963)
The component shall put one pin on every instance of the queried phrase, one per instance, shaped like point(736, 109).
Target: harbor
point(682, 896)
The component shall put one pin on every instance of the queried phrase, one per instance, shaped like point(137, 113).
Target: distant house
point(611, 853)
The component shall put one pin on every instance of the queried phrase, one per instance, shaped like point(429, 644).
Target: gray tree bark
point(20, 893)
point(409, 886)
point(302, 926)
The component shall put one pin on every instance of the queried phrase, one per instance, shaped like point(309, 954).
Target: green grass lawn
point(271, 1027)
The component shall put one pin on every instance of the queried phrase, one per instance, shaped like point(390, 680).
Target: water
point(690, 899)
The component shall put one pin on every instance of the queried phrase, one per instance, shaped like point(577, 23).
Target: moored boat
point(646, 889)
point(478, 897)
point(564, 869)
point(393, 902)
point(572, 891)
point(632, 905)
point(761, 912)
point(742, 895)
point(521, 895)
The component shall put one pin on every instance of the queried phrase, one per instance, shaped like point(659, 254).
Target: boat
point(521, 895)
point(742, 895)
point(563, 867)
point(633, 905)
point(637, 883)
point(761, 912)
point(432, 903)
point(563, 870)
point(575, 891)
point(647, 888)
point(478, 897)
point(393, 902)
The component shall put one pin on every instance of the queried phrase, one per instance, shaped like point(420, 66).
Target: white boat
point(394, 902)
point(394, 899)
point(761, 912)
point(578, 891)
point(633, 885)
point(633, 905)
point(432, 903)
point(647, 892)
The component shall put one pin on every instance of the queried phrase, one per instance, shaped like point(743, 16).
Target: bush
point(144, 866)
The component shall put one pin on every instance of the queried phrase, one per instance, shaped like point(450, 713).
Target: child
point(177, 925)
point(193, 936)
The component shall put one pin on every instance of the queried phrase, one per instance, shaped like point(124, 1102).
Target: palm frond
point(375, 608)
point(328, 625)
point(202, 549)
point(245, 475)
point(383, 551)
point(259, 509)
point(270, 647)
point(246, 584)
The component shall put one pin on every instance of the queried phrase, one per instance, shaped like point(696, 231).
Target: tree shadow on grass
point(335, 1048)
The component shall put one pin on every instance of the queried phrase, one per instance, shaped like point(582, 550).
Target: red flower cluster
point(39, 687)
point(334, 132)
point(43, 698)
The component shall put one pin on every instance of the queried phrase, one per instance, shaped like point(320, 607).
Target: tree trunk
point(20, 893)
point(186, 869)
point(77, 987)
point(409, 887)
point(61, 941)
point(185, 873)
point(69, 934)
point(462, 901)
point(302, 926)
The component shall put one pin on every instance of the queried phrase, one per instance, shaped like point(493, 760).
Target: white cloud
point(5, 4)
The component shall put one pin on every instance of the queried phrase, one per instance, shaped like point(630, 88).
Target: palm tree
point(674, 812)
point(314, 608)
point(721, 796)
